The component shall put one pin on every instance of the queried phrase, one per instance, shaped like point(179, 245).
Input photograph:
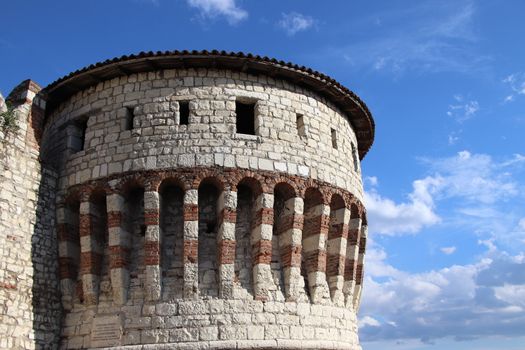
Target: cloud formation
point(219, 8)
point(390, 218)
point(473, 186)
point(429, 37)
point(460, 301)
point(463, 302)
point(295, 22)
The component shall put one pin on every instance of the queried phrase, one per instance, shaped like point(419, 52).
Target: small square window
point(245, 118)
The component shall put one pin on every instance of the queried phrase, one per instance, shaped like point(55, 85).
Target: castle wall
point(30, 309)
point(195, 235)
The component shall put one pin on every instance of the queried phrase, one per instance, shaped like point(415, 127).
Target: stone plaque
point(106, 331)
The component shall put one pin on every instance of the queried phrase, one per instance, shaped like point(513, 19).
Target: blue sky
point(445, 184)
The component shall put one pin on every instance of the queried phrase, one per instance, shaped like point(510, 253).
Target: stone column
point(191, 244)
point(359, 270)
point(152, 244)
point(315, 232)
point(68, 255)
point(352, 251)
point(119, 244)
point(336, 252)
point(261, 241)
point(90, 252)
point(227, 214)
point(290, 232)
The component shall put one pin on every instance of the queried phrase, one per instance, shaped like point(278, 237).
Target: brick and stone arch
point(172, 237)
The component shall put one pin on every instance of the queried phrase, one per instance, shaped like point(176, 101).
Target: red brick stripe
point(262, 252)
point(349, 269)
point(226, 251)
point(118, 257)
point(90, 263)
point(151, 217)
point(291, 256)
point(191, 212)
point(115, 219)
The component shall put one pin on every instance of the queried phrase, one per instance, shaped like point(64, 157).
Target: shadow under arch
point(171, 196)
point(208, 270)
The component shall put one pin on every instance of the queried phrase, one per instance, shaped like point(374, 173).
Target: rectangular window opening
point(245, 114)
point(82, 129)
point(130, 118)
point(184, 113)
point(355, 158)
point(334, 138)
point(301, 130)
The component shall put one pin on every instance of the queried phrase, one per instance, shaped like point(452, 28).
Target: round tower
point(207, 200)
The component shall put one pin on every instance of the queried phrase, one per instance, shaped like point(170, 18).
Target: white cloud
point(368, 321)
point(508, 98)
point(216, 8)
point(516, 83)
point(463, 110)
point(387, 217)
point(294, 22)
point(511, 294)
point(475, 178)
point(372, 180)
point(448, 250)
point(516, 159)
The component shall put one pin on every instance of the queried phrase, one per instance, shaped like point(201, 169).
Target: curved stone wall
point(193, 235)
point(158, 141)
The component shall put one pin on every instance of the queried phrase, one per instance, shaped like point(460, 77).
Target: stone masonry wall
point(30, 310)
point(158, 141)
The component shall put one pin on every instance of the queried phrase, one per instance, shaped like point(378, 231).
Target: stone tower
point(184, 200)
